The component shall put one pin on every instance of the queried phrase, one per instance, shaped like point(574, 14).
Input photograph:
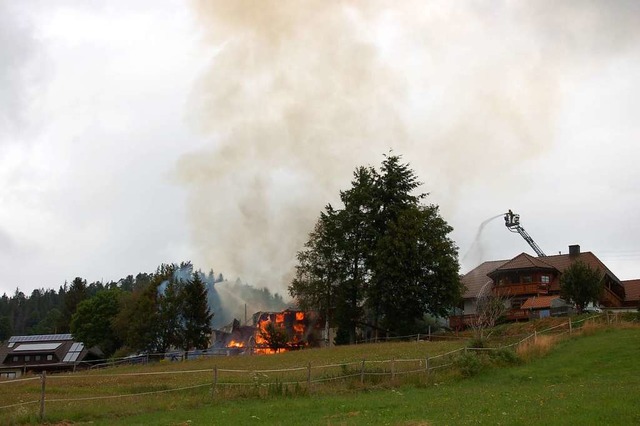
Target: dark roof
point(62, 345)
point(476, 278)
point(563, 261)
point(523, 261)
point(631, 290)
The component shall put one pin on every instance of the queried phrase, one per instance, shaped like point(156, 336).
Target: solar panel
point(40, 338)
point(71, 357)
point(36, 347)
point(74, 352)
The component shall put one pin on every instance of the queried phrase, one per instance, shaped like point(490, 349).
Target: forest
point(147, 312)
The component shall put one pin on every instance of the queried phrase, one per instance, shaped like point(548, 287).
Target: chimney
point(574, 250)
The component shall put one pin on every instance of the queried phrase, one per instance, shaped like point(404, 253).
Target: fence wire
point(359, 371)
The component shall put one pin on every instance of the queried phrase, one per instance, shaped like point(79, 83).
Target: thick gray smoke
point(299, 93)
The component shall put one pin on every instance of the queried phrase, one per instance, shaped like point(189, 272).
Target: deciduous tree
point(581, 284)
point(92, 323)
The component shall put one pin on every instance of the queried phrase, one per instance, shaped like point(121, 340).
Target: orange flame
point(279, 318)
point(234, 344)
point(299, 316)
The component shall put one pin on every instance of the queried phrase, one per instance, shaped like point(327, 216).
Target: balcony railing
point(517, 314)
point(461, 321)
point(521, 289)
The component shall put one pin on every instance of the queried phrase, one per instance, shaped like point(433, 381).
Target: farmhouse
point(50, 352)
point(532, 286)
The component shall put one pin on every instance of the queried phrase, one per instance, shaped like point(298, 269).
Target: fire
point(287, 330)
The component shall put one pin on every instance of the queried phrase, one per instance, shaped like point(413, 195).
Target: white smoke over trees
point(299, 93)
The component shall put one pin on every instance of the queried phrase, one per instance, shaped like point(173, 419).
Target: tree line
point(382, 261)
point(172, 307)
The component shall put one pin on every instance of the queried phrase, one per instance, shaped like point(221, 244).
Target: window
point(27, 358)
point(15, 359)
point(527, 279)
point(49, 357)
point(37, 357)
point(544, 279)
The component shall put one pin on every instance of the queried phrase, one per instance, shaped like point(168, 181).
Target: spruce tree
point(196, 317)
point(385, 258)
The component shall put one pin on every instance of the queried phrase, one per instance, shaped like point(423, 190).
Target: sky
point(135, 133)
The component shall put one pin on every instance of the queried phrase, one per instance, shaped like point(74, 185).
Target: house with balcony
point(532, 285)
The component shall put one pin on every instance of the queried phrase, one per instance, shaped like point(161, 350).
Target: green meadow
point(592, 377)
point(590, 380)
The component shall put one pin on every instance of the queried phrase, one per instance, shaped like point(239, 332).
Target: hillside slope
point(586, 380)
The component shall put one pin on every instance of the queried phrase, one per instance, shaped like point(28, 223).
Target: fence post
point(309, 377)
point(43, 379)
point(418, 338)
point(362, 372)
point(535, 336)
point(426, 365)
point(393, 369)
point(215, 382)
point(570, 327)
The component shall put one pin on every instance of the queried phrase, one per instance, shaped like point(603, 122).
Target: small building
point(50, 352)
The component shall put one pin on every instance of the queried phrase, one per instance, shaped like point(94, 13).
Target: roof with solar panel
point(44, 351)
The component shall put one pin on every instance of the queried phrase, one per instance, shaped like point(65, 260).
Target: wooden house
point(532, 283)
point(50, 352)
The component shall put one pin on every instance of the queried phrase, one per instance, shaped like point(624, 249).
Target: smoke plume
point(299, 93)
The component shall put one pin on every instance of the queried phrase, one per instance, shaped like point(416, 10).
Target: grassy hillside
point(593, 380)
point(585, 380)
point(188, 384)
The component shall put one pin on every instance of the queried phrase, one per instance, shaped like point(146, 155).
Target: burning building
point(270, 333)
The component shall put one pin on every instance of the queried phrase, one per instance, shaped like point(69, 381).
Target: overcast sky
point(134, 133)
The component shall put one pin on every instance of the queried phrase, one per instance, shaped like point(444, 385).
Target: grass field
point(591, 380)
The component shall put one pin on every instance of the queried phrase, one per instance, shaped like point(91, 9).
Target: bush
point(469, 364)
point(477, 342)
point(504, 357)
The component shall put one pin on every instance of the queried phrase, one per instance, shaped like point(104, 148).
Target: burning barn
point(271, 332)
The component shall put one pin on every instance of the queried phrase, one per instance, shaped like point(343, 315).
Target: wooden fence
point(309, 377)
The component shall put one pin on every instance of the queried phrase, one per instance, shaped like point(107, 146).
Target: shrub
point(504, 357)
point(468, 363)
point(477, 342)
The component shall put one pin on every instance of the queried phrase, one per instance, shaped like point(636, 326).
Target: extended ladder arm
point(512, 222)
